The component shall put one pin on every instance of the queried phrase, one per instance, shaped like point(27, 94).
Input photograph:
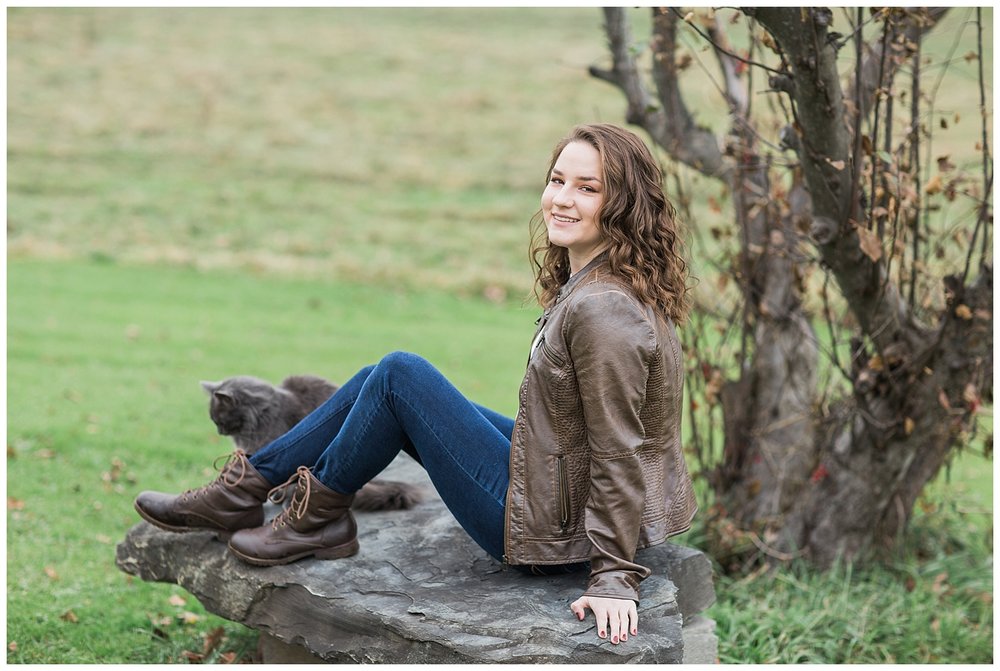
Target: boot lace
point(296, 508)
point(227, 476)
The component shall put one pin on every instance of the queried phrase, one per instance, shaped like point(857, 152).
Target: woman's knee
point(403, 368)
point(402, 362)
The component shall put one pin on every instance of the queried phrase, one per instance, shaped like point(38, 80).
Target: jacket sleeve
point(611, 343)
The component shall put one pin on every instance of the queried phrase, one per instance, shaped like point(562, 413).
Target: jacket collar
point(580, 274)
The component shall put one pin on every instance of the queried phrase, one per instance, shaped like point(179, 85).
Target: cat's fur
point(254, 412)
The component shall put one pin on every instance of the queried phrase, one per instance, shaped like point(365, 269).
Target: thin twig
point(876, 160)
point(837, 44)
point(987, 181)
point(728, 53)
point(980, 222)
point(915, 167)
point(853, 203)
point(771, 552)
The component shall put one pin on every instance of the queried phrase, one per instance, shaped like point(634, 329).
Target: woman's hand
point(615, 616)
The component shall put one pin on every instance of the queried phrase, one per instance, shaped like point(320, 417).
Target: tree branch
point(906, 28)
point(736, 94)
point(642, 108)
point(667, 120)
point(804, 38)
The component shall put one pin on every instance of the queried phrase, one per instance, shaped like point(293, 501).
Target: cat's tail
point(387, 495)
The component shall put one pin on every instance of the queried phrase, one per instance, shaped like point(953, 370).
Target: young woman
point(591, 467)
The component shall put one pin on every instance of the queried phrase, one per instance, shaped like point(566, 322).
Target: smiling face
point(571, 202)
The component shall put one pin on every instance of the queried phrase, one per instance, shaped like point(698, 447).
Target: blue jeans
point(404, 403)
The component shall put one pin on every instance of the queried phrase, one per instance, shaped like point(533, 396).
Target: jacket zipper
point(510, 463)
point(564, 503)
point(549, 351)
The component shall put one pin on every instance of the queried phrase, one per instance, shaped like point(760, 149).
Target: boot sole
point(221, 534)
point(336, 552)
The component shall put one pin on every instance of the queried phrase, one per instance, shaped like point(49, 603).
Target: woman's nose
point(564, 198)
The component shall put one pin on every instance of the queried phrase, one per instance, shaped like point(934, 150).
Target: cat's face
point(236, 404)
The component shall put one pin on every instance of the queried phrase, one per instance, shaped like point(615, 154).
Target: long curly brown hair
point(636, 221)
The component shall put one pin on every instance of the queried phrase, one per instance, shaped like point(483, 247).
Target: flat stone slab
point(421, 591)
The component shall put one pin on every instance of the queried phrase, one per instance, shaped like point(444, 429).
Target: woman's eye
point(555, 180)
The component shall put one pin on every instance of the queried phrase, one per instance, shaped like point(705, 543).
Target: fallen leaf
point(51, 573)
point(101, 538)
point(962, 311)
point(908, 425)
point(875, 363)
point(212, 640)
point(971, 56)
point(176, 600)
point(227, 657)
point(188, 617)
point(12, 646)
point(69, 616)
point(193, 657)
point(869, 243)
point(161, 621)
point(14, 504)
point(837, 165)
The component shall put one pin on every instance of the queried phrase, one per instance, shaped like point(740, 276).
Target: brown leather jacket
point(596, 469)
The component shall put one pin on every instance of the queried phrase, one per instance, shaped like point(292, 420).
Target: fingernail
point(614, 639)
point(602, 634)
point(634, 632)
point(624, 637)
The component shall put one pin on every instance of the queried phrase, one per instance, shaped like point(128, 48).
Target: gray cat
point(254, 412)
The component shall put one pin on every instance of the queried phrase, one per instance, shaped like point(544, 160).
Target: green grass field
point(103, 400)
point(275, 192)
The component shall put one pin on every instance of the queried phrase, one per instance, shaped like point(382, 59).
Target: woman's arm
point(611, 343)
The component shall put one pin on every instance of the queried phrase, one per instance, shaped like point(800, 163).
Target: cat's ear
point(210, 387)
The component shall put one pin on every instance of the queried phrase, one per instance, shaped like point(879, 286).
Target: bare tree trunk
point(794, 482)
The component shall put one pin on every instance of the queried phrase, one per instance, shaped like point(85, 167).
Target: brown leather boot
point(234, 501)
point(317, 522)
